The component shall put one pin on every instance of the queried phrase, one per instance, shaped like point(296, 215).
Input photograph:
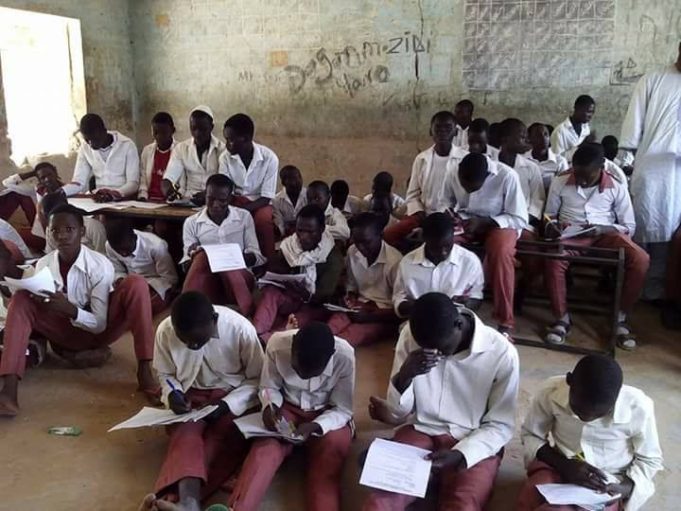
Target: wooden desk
point(170, 213)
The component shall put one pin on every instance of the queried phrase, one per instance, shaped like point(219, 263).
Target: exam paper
point(572, 231)
point(252, 426)
point(90, 206)
point(572, 494)
point(148, 416)
point(279, 279)
point(40, 281)
point(139, 204)
point(225, 257)
point(396, 467)
point(338, 308)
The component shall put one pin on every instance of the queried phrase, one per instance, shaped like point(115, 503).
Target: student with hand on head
point(134, 252)
point(205, 355)
point(319, 194)
point(82, 317)
point(574, 130)
point(155, 158)
point(371, 266)
point(215, 224)
point(253, 169)
point(94, 237)
point(541, 154)
point(426, 191)
point(454, 384)
point(590, 196)
point(463, 112)
point(310, 252)
point(108, 156)
point(478, 135)
point(193, 160)
point(438, 265)
point(289, 200)
point(382, 186)
point(308, 379)
point(588, 429)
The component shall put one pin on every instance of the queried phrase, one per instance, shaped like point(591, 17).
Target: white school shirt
point(426, 191)
point(553, 165)
point(500, 197)
point(461, 137)
point(231, 360)
point(395, 200)
point(624, 442)
point(9, 233)
point(89, 282)
point(336, 223)
point(612, 167)
point(564, 139)
point(606, 203)
point(185, 167)
point(256, 181)
point(373, 283)
point(94, 237)
point(353, 206)
point(237, 228)
point(331, 391)
point(150, 259)
point(459, 275)
point(147, 167)
point(469, 395)
point(284, 211)
point(532, 185)
point(116, 167)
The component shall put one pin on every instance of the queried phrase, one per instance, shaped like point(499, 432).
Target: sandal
point(624, 338)
point(557, 333)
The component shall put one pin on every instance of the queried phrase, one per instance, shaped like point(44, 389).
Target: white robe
point(652, 126)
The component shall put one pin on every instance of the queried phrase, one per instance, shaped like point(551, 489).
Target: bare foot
point(8, 406)
point(291, 322)
point(147, 383)
point(379, 410)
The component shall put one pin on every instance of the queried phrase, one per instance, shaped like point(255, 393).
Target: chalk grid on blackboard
point(517, 44)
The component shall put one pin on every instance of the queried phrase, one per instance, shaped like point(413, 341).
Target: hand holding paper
point(37, 284)
point(225, 257)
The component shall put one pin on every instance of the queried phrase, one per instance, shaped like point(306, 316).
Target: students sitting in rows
point(155, 157)
point(205, 355)
point(453, 387)
point(382, 186)
point(193, 160)
point(289, 200)
point(319, 194)
point(215, 224)
point(590, 196)
point(478, 133)
point(371, 266)
point(82, 317)
point(463, 113)
point(574, 130)
point(110, 157)
point(438, 265)
point(588, 429)
point(253, 168)
point(94, 236)
point(541, 154)
point(341, 199)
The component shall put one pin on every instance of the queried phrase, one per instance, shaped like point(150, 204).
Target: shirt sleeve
point(278, 217)
point(251, 245)
point(164, 264)
point(143, 191)
point(269, 184)
point(189, 236)
point(338, 227)
point(351, 284)
point(132, 171)
point(81, 175)
point(624, 211)
point(163, 363)
point(632, 126)
point(20, 186)
point(537, 425)
point(401, 404)
point(399, 289)
point(340, 400)
point(175, 167)
point(537, 193)
point(477, 280)
point(498, 423)
point(558, 144)
point(95, 320)
point(120, 272)
point(250, 352)
point(514, 215)
point(271, 381)
point(553, 201)
point(414, 190)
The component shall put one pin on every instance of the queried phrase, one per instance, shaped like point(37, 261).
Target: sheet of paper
point(572, 231)
point(225, 257)
point(571, 494)
point(338, 308)
point(251, 426)
point(139, 204)
point(278, 279)
point(396, 467)
point(40, 281)
point(90, 206)
point(148, 416)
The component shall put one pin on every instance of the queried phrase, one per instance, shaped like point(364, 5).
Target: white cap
point(203, 108)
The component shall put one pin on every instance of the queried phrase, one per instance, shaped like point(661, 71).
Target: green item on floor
point(65, 431)
point(217, 507)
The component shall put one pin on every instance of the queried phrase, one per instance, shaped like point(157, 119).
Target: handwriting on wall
point(625, 72)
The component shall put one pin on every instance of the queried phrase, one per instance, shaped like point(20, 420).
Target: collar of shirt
point(568, 123)
point(381, 259)
point(257, 157)
point(420, 258)
point(79, 263)
point(455, 152)
point(203, 218)
point(605, 181)
point(214, 145)
point(550, 156)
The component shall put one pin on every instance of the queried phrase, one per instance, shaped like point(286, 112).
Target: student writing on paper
point(82, 317)
point(219, 223)
point(586, 426)
point(371, 266)
point(319, 194)
point(289, 200)
point(308, 379)
point(203, 355)
point(590, 196)
point(454, 382)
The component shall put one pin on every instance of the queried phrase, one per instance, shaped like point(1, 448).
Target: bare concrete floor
point(111, 472)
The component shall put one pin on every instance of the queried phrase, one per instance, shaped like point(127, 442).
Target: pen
point(173, 388)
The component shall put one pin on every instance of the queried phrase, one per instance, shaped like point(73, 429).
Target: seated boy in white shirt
point(289, 200)
point(550, 163)
point(349, 205)
point(463, 113)
point(438, 265)
point(205, 355)
point(588, 429)
point(308, 379)
point(145, 254)
point(253, 168)
point(319, 194)
point(454, 384)
point(382, 186)
point(218, 223)
point(478, 139)
point(94, 236)
point(575, 129)
point(371, 266)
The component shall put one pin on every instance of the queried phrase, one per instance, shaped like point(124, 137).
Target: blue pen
point(172, 387)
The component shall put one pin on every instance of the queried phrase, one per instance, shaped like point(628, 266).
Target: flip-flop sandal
point(624, 338)
point(557, 333)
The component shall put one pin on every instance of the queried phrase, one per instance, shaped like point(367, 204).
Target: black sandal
point(557, 333)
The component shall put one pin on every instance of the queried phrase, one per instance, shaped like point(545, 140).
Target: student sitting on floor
point(215, 224)
point(574, 130)
point(438, 265)
point(541, 154)
point(311, 252)
point(83, 316)
point(145, 254)
point(426, 191)
point(382, 186)
point(478, 139)
point(253, 168)
point(289, 200)
point(94, 237)
point(588, 429)
point(371, 271)
point(205, 355)
point(341, 199)
point(308, 379)
point(319, 194)
point(590, 196)
point(454, 385)
point(193, 160)
point(108, 156)
point(155, 158)
point(463, 113)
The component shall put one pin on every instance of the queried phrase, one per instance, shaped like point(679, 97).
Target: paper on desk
point(572, 231)
point(139, 204)
point(40, 281)
point(252, 426)
point(90, 206)
point(338, 308)
point(572, 494)
point(395, 467)
point(225, 257)
point(160, 417)
point(279, 279)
